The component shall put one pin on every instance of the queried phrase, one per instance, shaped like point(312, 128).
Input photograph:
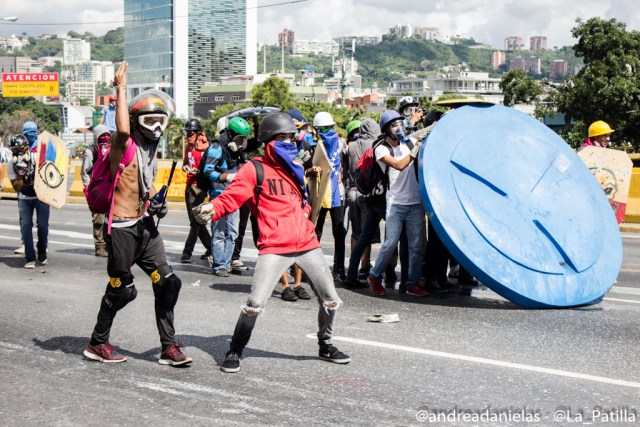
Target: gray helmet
point(275, 124)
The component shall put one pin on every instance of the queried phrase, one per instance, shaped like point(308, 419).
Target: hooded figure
point(30, 130)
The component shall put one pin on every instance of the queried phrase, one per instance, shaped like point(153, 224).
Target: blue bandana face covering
point(285, 152)
point(32, 137)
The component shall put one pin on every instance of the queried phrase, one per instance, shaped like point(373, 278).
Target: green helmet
point(239, 126)
point(353, 125)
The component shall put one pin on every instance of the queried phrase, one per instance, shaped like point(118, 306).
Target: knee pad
point(119, 293)
point(166, 287)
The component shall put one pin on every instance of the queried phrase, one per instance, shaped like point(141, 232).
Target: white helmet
point(322, 119)
point(222, 124)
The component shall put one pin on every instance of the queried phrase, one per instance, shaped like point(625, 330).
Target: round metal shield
point(518, 209)
point(246, 113)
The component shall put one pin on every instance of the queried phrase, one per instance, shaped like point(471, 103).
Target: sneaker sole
point(97, 358)
point(170, 362)
point(230, 370)
point(336, 361)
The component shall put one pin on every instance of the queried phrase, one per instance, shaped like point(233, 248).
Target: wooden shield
point(52, 170)
point(612, 169)
point(318, 185)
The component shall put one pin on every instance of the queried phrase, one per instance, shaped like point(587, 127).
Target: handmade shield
point(612, 169)
point(517, 207)
point(52, 169)
point(318, 184)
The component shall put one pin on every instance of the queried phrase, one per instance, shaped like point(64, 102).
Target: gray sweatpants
point(269, 270)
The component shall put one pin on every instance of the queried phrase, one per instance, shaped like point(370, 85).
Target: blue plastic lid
point(516, 206)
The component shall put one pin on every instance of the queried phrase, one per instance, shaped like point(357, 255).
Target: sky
point(487, 21)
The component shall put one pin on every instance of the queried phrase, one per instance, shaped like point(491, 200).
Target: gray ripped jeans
point(269, 270)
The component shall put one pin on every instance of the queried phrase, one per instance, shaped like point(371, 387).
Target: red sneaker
point(174, 356)
point(417, 291)
point(376, 286)
point(103, 353)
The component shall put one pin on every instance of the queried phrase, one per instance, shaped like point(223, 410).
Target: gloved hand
point(158, 208)
point(230, 177)
point(416, 149)
point(302, 156)
point(203, 213)
point(21, 163)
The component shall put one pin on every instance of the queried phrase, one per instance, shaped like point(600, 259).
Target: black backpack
point(202, 180)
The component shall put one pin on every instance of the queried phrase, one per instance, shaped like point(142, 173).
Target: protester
point(333, 201)
point(108, 114)
point(95, 151)
point(286, 235)
point(197, 144)
point(220, 167)
point(134, 237)
point(404, 205)
point(21, 171)
point(599, 135)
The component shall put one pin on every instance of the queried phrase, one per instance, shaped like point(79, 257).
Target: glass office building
point(179, 46)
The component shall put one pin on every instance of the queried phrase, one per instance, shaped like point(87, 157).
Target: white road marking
point(621, 300)
point(484, 361)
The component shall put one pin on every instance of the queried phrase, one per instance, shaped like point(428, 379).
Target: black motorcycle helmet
point(275, 124)
point(18, 143)
point(192, 125)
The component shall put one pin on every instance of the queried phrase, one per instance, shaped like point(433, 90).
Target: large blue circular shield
point(518, 209)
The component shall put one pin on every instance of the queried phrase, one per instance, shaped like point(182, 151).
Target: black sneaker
point(288, 295)
point(301, 292)
point(205, 255)
point(185, 259)
point(333, 355)
point(231, 362)
point(339, 275)
point(42, 258)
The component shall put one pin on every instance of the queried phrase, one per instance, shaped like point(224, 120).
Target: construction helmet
point(222, 124)
point(275, 124)
point(192, 125)
point(599, 128)
point(151, 101)
point(239, 126)
point(323, 119)
point(297, 117)
point(353, 125)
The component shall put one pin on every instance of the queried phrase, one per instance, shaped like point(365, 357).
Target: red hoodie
point(282, 222)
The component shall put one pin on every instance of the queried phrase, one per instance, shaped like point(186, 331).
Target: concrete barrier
point(632, 214)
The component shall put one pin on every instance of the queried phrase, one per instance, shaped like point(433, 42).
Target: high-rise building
point(532, 64)
point(428, 33)
point(538, 43)
point(497, 58)
point(287, 38)
point(178, 46)
point(558, 68)
point(516, 63)
point(513, 43)
point(75, 51)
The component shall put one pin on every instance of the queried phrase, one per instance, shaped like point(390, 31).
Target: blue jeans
point(223, 235)
point(412, 216)
point(26, 208)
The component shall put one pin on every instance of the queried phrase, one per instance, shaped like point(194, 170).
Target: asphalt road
point(476, 360)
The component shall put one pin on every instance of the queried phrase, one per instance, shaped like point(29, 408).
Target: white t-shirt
point(403, 185)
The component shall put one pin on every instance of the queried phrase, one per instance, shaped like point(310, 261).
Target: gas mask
point(238, 143)
point(396, 130)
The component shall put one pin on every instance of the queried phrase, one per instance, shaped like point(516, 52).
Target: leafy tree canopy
point(518, 88)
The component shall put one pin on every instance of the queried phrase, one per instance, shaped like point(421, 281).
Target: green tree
point(518, 88)
point(273, 92)
point(608, 86)
point(15, 111)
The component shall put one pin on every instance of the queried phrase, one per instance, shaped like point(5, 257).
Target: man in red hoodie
point(286, 236)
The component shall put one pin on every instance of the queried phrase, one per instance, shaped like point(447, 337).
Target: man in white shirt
point(404, 205)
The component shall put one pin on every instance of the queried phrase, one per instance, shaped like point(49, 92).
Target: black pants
point(370, 229)
point(142, 245)
point(245, 214)
point(337, 227)
point(196, 230)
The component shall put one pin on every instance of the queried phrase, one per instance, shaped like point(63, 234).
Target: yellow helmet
point(599, 128)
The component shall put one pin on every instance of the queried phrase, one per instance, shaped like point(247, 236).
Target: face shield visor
point(239, 142)
point(396, 130)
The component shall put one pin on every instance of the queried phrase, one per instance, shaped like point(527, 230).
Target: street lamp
point(11, 18)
